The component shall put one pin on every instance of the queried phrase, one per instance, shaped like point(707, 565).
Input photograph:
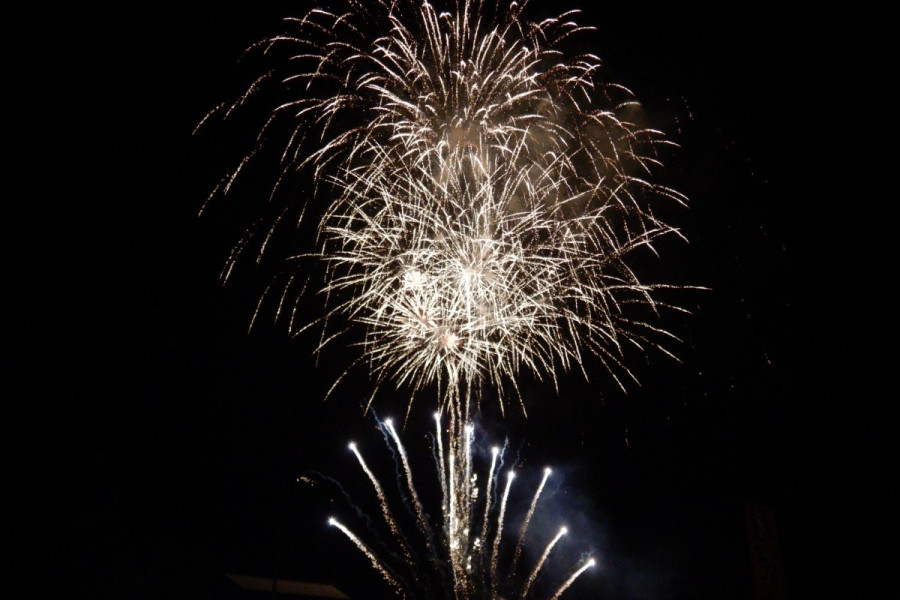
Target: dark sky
point(162, 443)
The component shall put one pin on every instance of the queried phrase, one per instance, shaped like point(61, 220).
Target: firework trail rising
point(496, 547)
point(376, 563)
point(540, 563)
point(587, 565)
point(459, 560)
point(478, 194)
point(528, 516)
point(388, 517)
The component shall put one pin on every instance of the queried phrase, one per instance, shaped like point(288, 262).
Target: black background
point(162, 443)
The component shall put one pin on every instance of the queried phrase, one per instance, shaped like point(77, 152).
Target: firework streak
point(454, 558)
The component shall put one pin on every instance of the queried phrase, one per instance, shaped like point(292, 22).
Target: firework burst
point(479, 193)
point(463, 552)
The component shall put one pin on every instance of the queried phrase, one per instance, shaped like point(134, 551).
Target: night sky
point(163, 443)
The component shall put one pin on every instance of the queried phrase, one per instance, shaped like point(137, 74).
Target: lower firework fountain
point(465, 552)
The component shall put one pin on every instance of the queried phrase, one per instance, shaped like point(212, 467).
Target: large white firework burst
point(479, 192)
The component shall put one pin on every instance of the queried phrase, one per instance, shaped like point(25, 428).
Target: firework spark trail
point(469, 490)
point(420, 511)
point(454, 535)
point(496, 548)
point(587, 565)
point(440, 459)
point(369, 554)
point(382, 499)
point(487, 495)
point(528, 515)
point(540, 563)
point(451, 486)
point(480, 194)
